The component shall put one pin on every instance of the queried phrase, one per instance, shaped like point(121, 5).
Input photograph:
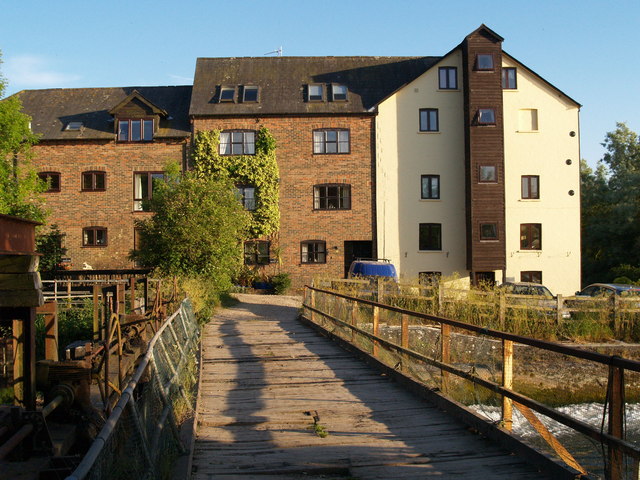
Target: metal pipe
point(15, 440)
point(25, 430)
point(52, 405)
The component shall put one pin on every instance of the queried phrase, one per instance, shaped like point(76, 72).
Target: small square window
point(486, 116)
point(331, 141)
point(429, 120)
point(250, 94)
point(448, 78)
point(313, 251)
point(315, 93)
point(530, 187)
point(94, 237)
point(530, 236)
point(484, 61)
point(430, 187)
point(339, 92)
point(256, 252)
point(488, 231)
point(227, 94)
point(52, 179)
point(430, 236)
point(237, 142)
point(488, 174)
point(509, 78)
point(144, 184)
point(93, 181)
point(247, 196)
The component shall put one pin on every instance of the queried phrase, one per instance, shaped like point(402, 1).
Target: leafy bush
point(73, 324)
point(281, 283)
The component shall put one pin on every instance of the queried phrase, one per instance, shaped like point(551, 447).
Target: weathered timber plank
point(20, 281)
point(257, 385)
point(19, 263)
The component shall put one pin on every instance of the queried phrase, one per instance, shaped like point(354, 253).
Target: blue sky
point(588, 49)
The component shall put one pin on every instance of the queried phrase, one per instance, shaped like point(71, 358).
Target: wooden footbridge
point(279, 401)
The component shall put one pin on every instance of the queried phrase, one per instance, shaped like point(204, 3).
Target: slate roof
point(52, 109)
point(282, 82)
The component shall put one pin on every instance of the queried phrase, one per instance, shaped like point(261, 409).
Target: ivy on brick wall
point(259, 170)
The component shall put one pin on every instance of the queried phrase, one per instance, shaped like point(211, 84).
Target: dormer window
point(316, 93)
point(339, 93)
point(135, 130)
point(250, 93)
point(486, 116)
point(74, 126)
point(227, 94)
point(484, 61)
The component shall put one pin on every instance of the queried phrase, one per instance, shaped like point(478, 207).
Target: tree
point(20, 186)
point(196, 229)
point(611, 209)
point(50, 246)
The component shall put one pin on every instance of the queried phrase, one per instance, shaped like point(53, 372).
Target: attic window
point(250, 93)
point(227, 94)
point(74, 126)
point(339, 93)
point(135, 130)
point(484, 61)
point(315, 93)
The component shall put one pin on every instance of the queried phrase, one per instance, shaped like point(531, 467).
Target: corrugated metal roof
point(52, 110)
point(282, 83)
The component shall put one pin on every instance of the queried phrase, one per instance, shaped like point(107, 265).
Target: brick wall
point(300, 170)
point(73, 209)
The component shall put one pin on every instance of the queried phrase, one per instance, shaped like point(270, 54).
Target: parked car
point(546, 298)
point(601, 289)
point(368, 268)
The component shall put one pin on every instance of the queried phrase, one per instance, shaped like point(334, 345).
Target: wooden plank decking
point(264, 372)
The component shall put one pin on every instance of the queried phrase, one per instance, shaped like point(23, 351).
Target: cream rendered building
point(477, 172)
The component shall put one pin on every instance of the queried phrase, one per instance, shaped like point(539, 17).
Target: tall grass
point(590, 321)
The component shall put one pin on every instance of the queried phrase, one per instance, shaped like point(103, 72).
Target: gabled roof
point(541, 79)
point(283, 81)
point(133, 96)
point(51, 110)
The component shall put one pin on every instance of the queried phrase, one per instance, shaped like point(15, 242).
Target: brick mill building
point(465, 163)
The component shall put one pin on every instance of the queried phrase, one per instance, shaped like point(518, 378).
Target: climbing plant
point(259, 170)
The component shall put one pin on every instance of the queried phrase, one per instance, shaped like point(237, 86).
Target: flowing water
point(589, 453)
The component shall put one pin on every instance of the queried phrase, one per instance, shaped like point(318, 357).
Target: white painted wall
point(543, 152)
point(403, 155)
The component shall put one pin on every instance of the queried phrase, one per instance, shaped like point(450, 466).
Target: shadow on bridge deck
point(265, 376)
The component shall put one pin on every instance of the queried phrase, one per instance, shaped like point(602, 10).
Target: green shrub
point(281, 283)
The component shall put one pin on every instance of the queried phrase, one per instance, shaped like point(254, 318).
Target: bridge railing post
point(404, 340)
point(615, 465)
point(376, 330)
point(507, 382)
point(445, 353)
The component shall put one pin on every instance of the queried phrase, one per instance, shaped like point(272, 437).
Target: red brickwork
point(300, 170)
point(73, 209)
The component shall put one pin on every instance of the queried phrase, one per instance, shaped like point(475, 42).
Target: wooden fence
point(497, 308)
point(362, 323)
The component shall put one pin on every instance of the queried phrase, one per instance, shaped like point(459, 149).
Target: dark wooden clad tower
point(484, 151)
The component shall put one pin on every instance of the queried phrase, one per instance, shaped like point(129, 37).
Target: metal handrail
point(126, 399)
point(613, 440)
